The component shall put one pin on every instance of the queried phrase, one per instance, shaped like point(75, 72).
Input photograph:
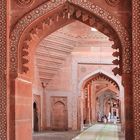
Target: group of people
point(108, 118)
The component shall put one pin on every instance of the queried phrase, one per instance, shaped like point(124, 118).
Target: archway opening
point(32, 39)
point(102, 99)
point(62, 58)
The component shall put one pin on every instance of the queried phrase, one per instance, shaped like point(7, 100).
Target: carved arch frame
point(31, 18)
point(23, 28)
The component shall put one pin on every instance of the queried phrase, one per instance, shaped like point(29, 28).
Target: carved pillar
point(88, 105)
point(81, 110)
point(128, 100)
point(43, 108)
point(122, 106)
point(23, 109)
point(136, 65)
point(93, 101)
point(74, 112)
point(3, 68)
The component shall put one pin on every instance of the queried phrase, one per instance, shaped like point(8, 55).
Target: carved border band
point(136, 67)
point(3, 69)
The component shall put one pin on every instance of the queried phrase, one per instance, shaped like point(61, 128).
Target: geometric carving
point(24, 2)
point(136, 66)
point(116, 62)
point(115, 46)
point(116, 54)
point(116, 71)
point(3, 70)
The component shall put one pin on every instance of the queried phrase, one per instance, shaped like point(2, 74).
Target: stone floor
point(101, 132)
point(95, 132)
point(52, 135)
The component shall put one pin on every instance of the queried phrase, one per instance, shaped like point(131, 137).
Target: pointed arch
point(111, 76)
point(30, 26)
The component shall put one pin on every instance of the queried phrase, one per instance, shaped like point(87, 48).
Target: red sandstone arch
point(28, 32)
point(92, 94)
point(106, 89)
point(31, 25)
point(103, 76)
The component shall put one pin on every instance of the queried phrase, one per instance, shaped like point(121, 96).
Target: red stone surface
point(19, 91)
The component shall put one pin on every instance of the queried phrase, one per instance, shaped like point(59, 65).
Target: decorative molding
point(3, 70)
point(136, 66)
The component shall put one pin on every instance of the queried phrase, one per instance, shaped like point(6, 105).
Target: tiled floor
point(95, 132)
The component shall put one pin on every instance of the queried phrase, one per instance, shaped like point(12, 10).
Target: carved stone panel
point(59, 113)
point(136, 67)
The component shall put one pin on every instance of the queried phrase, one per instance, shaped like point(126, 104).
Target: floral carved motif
point(113, 2)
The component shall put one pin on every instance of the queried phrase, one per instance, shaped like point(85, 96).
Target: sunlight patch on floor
point(99, 132)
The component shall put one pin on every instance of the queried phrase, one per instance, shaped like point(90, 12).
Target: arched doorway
point(100, 98)
point(108, 106)
point(66, 15)
point(59, 116)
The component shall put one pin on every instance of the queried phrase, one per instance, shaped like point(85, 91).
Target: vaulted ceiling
point(54, 49)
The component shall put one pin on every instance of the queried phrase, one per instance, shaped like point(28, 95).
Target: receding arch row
point(28, 27)
point(101, 75)
point(84, 79)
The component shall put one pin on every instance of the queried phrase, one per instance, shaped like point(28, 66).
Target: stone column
point(81, 110)
point(93, 101)
point(74, 112)
point(136, 66)
point(128, 100)
point(88, 105)
point(23, 109)
point(43, 108)
point(101, 102)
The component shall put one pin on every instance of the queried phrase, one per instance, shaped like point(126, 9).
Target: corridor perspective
point(69, 70)
point(74, 86)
